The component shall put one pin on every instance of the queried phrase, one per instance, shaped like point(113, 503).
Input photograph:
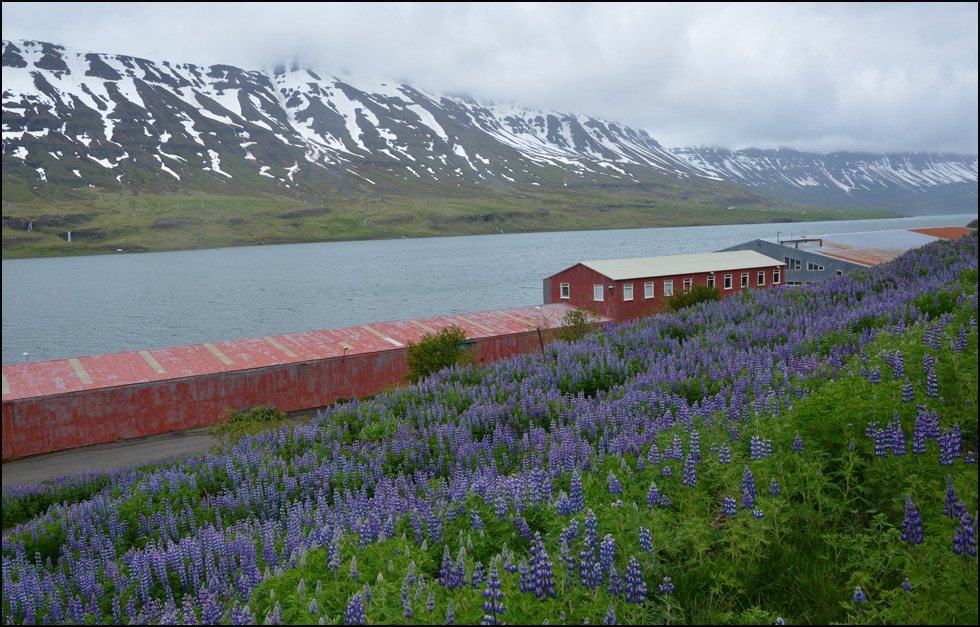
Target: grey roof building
point(812, 259)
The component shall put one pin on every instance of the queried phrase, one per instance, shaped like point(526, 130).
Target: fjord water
point(74, 306)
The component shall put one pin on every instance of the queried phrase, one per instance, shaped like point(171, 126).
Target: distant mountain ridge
point(910, 182)
point(80, 125)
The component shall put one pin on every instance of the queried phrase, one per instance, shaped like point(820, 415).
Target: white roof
point(643, 267)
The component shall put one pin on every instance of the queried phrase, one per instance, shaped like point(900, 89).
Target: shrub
point(236, 424)
point(693, 296)
point(432, 353)
point(578, 323)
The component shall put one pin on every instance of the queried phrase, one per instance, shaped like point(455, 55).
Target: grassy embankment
point(108, 218)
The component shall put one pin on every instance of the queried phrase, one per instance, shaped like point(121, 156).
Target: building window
point(792, 264)
point(565, 293)
point(745, 279)
point(648, 289)
point(628, 291)
point(597, 292)
point(669, 287)
point(688, 283)
point(761, 279)
point(814, 266)
point(840, 273)
point(775, 276)
point(728, 281)
point(711, 281)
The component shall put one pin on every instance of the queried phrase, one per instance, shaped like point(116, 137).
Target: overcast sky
point(822, 77)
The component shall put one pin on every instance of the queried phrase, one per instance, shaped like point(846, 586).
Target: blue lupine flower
point(758, 513)
point(607, 552)
point(798, 442)
point(646, 542)
point(729, 507)
point(907, 585)
point(635, 588)
point(451, 614)
point(774, 488)
point(406, 600)
point(912, 525)
point(610, 618)
point(355, 611)
point(493, 597)
point(748, 489)
point(965, 536)
point(690, 478)
point(615, 487)
point(859, 598)
point(666, 587)
point(652, 495)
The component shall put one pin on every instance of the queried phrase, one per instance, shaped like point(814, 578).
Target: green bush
point(693, 296)
point(578, 323)
point(236, 424)
point(432, 353)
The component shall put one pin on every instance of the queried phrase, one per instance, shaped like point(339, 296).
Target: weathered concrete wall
point(54, 422)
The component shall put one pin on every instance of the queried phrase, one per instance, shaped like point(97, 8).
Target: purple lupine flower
point(664, 500)
point(798, 443)
point(541, 568)
point(859, 598)
point(646, 542)
point(526, 581)
point(355, 611)
point(908, 392)
point(774, 488)
point(451, 614)
point(589, 570)
point(694, 446)
point(615, 487)
point(965, 536)
point(314, 609)
point(591, 530)
point(406, 600)
point(492, 597)
point(666, 472)
point(652, 495)
point(690, 478)
point(932, 385)
point(912, 525)
point(724, 455)
point(615, 586)
point(907, 585)
point(666, 587)
point(898, 365)
point(610, 618)
point(569, 561)
point(875, 377)
point(577, 496)
point(475, 521)
point(635, 588)
point(758, 513)
point(522, 527)
point(607, 552)
point(728, 506)
point(748, 489)
point(951, 506)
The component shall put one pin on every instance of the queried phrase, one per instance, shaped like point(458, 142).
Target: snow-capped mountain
point(117, 112)
point(81, 125)
point(907, 182)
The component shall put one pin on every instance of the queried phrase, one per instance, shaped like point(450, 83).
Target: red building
point(623, 289)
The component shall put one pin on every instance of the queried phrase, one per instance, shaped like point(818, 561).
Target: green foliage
point(578, 323)
point(434, 352)
point(693, 296)
point(236, 424)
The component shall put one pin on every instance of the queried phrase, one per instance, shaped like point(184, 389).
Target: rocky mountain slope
point(105, 147)
point(914, 183)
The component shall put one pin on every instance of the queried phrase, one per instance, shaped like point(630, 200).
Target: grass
point(108, 218)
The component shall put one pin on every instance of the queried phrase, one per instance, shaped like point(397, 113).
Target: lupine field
point(798, 455)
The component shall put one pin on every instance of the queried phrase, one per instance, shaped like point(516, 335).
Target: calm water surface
point(74, 306)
